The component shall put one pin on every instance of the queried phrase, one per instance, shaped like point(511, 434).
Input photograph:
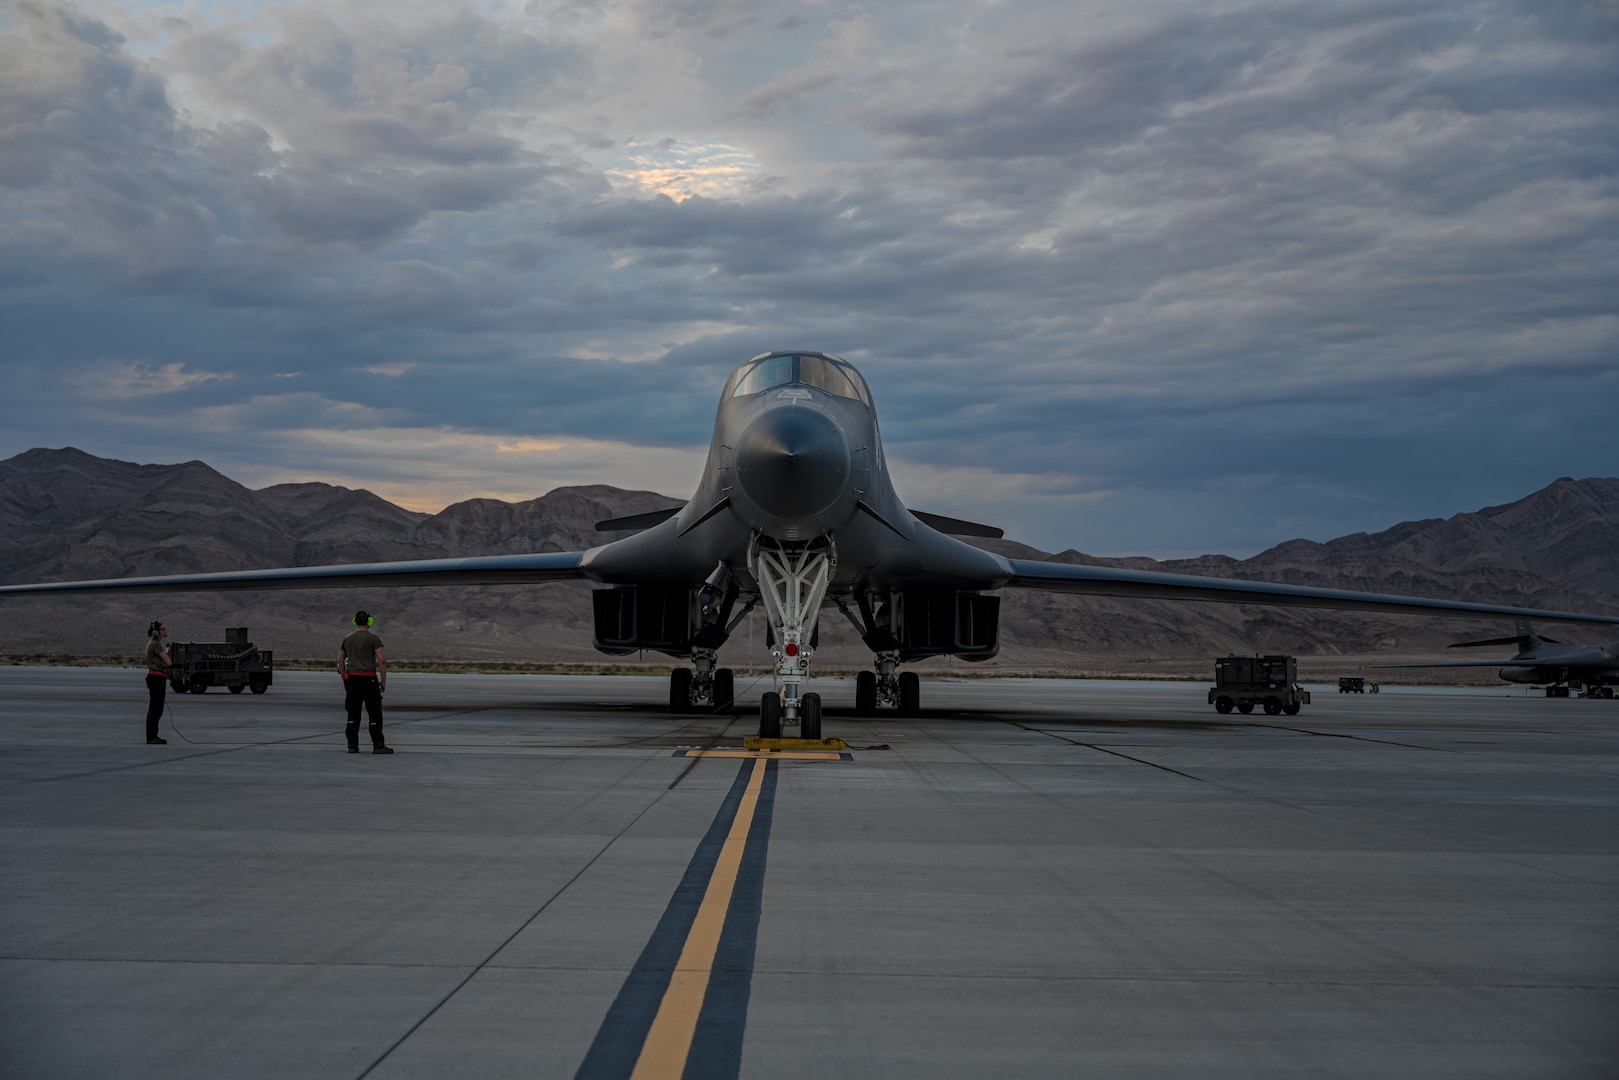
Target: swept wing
point(483, 570)
point(1152, 585)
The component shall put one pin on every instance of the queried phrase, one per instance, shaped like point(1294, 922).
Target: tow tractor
point(1241, 682)
point(234, 663)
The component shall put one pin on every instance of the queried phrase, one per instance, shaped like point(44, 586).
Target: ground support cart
point(234, 663)
point(1271, 682)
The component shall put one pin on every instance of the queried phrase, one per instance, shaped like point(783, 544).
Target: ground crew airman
point(364, 667)
point(157, 680)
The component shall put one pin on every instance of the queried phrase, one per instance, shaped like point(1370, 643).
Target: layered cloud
point(1166, 281)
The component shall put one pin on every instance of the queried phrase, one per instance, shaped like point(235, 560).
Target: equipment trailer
point(1271, 682)
point(234, 664)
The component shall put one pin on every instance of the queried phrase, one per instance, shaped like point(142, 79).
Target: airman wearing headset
point(157, 680)
point(364, 667)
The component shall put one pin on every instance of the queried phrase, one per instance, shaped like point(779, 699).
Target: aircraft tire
point(237, 688)
point(680, 690)
point(1292, 709)
point(1222, 704)
point(910, 693)
point(865, 693)
point(1245, 707)
point(724, 690)
point(809, 717)
point(1273, 707)
point(770, 716)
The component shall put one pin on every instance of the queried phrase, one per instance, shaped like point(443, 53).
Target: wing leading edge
point(1150, 585)
point(482, 570)
point(1471, 663)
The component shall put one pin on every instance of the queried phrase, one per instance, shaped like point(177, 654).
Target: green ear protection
point(362, 619)
point(155, 629)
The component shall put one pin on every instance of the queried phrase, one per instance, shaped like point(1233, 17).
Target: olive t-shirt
point(154, 661)
point(361, 649)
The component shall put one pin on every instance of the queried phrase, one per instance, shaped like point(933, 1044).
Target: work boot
point(155, 741)
point(382, 749)
point(354, 749)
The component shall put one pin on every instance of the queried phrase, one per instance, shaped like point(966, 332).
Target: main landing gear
point(706, 688)
point(884, 688)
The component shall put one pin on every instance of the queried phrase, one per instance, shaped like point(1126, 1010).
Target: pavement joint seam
point(1127, 757)
point(564, 887)
point(1357, 738)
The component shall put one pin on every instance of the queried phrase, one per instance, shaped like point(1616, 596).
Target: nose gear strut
point(792, 583)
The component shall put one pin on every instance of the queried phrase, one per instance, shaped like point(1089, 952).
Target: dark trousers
point(156, 686)
point(363, 690)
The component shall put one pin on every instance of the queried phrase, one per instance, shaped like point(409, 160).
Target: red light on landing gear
point(792, 648)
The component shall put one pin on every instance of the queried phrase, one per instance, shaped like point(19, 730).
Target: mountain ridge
point(66, 514)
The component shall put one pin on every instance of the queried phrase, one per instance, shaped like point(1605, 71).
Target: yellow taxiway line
point(668, 1043)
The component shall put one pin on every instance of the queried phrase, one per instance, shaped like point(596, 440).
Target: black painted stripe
point(617, 1046)
point(716, 1050)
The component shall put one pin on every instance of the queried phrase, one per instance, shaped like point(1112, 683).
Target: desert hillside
point(65, 514)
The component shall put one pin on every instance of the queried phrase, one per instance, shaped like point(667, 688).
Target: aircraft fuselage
point(795, 462)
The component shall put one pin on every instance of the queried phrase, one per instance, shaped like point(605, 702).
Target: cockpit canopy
point(820, 370)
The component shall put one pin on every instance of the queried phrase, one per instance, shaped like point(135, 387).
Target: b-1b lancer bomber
point(1544, 662)
point(795, 514)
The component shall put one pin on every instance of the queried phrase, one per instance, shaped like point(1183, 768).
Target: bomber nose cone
point(792, 462)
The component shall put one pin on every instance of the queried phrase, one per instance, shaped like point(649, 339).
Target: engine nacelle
point(944, 622)
point(634, 617)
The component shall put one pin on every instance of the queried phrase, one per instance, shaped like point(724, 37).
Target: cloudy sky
point(1134, 277)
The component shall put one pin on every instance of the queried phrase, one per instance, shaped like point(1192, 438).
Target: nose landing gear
point(792, 583)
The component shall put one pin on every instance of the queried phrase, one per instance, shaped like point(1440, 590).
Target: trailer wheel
point(1273, 707)
point(1222, 704)
point(198, 687)
point(1292, 708)
point(258, 686)
point(237, 688)
point(1245, 707)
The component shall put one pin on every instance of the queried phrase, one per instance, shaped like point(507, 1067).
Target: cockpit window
point(771, 371)
point(823, 373)
point(813, 371)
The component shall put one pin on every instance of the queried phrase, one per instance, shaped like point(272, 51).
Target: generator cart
point(1241, 682)
point(233, 663)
